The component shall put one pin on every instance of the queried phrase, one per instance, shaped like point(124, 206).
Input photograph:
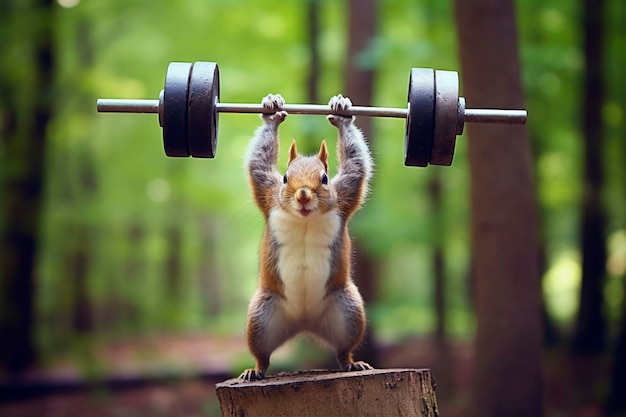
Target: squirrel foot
point(274, 102)
point(339, 103)
point(252, 375)
point(357, 366)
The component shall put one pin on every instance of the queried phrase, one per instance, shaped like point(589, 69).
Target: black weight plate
point(175, 95)
point(420, 118)
point(204, 94)
point(446, 115)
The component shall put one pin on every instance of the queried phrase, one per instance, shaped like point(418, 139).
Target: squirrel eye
point(324, 179)
point(285, 179)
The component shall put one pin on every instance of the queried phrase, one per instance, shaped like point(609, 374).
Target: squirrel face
point(306, 187)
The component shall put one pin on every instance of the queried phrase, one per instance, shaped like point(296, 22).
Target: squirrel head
point(306, 190)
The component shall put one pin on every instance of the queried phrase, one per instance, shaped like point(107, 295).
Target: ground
point(175, 375)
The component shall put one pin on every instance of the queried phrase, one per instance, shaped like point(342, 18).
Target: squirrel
point(305, 282)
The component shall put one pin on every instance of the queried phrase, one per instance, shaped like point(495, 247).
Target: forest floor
point(174, 376)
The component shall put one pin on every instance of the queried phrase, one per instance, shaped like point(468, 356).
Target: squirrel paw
point(252, 375)
point(274, 102)
point(339, 104)
point(358, 366)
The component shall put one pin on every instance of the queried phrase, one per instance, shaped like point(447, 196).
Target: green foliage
point(107, 174)
point(114, 198)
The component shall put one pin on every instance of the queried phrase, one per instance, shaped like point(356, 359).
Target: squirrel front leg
point(351, 183)
point(262, 155)
point(266, 328)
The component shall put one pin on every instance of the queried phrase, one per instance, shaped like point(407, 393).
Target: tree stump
point(377, 392)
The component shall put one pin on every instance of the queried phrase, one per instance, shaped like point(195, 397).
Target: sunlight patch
point(158, 190)
point(271, 26)
point(561, 284)
point(68, 4)
point(616, 262)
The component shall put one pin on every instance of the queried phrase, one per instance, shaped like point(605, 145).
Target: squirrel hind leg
point(252, 375)
point(347, 364)
point(358, 366)
point(258, 372)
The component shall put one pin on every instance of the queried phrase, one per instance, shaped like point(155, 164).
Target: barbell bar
point(120, 105)
point(189, 107)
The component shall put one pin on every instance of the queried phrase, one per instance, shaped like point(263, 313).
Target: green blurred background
point(134, 245)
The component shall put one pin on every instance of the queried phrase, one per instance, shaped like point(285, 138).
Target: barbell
point(189, 107)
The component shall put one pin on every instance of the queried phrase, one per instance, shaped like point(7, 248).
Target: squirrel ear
point(323, 155)
point(293, 152)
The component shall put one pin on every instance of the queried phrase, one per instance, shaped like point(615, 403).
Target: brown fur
point(300, 202)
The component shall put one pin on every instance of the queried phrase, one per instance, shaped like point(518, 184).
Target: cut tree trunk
point(378, 392)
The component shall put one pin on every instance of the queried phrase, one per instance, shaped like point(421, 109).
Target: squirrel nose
point(303, 195)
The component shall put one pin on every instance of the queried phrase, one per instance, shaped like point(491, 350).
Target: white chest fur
point(304, 259)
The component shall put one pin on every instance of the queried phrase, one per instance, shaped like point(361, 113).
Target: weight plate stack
point(420, 119)
point(446, 115)
point(174, 116)
point(204, 93)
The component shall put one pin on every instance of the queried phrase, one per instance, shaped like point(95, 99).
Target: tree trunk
point(81, 249)
point(439, 295)
point(123, 310)
point(210, 281)
point(508, 367)
point(378, 392)
point(24, 137)
point(313, 18)
point(359, 81)
point(173, 263)
point(78, 268)
point(591, 328)
point(616, 402)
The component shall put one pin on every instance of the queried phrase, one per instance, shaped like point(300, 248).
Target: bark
point(24, 137)
point(508, 367)
point(81, 250)
point(591, 327)
point(210, 281)
point(359, 77)
point(78, 268)
point(438, 262)
point(173, 264)
point(313, 12)
point(616, 402)
point(119, 310)
point(379, 392)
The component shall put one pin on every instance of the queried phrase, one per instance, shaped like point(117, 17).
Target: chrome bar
point(517, 117)
point(471, 115)
point(314, 109)
point(114, 105)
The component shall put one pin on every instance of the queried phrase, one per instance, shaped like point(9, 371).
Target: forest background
point(129, 244)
